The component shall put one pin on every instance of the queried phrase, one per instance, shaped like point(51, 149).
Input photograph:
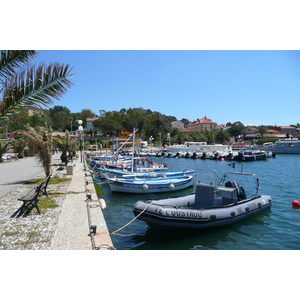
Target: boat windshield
point(248, 181)
point(208, 177)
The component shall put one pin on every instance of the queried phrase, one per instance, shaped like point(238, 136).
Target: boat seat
point(229, 195)
point(205, 196)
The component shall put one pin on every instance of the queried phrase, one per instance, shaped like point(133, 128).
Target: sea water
point(274, 229)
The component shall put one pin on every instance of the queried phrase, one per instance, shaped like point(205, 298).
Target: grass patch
point(47, 202)
point(31, 234)
point(98, 190)
point(56, 179)
point(7, 233)
point(53, 180)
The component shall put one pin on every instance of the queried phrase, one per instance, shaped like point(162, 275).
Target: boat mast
point(133, 140)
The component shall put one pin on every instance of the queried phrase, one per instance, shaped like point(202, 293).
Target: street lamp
point(151, 138)
point(80, 129)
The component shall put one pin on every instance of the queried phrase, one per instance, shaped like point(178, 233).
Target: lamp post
point(151, 138)
point(80, 129)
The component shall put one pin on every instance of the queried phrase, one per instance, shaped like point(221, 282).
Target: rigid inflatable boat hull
point(162, 216)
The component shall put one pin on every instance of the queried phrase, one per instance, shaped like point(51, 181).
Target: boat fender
point(171, 186)
point(102, 203)
point(145, 187)
point(296, 203)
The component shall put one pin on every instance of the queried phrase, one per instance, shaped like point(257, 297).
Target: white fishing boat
point(147, 173)
point(149, 185)
point(212, 205)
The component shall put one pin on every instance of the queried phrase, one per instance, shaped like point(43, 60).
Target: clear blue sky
point(254, 87)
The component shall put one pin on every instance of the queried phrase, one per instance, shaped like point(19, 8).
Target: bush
point(266, 140)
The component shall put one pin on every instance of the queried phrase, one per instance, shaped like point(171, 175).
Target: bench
point(31, 197)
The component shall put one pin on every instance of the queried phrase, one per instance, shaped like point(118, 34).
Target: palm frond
point(10, 60)
point(36, 86)
point(66, 143)
point(41, 141)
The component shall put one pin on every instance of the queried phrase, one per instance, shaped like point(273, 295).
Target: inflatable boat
point(211, 205)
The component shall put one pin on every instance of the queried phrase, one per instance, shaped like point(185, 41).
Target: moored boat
point(210, 206)
point(250, 155)
point(287, 146)
point(149, 185)
point(148, 173)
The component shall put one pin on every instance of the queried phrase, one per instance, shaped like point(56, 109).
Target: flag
point(232, 165)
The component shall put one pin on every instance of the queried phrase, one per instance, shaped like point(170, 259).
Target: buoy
point(296, 203)
point(222, 159)
point(145, 187)
point(102, 203)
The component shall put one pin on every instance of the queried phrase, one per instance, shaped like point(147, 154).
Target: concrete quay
point(81, 212)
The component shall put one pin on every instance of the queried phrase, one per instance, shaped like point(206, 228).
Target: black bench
point(31, 197)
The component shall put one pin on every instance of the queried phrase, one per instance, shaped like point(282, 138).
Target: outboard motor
point(240, 190)
point(239, 157)
point(194, 156)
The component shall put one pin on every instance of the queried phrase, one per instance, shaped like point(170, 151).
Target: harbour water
point(275, 229)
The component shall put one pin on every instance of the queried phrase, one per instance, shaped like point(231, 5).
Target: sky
point(255, 87)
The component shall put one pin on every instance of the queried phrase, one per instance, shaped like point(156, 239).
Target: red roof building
point(202, 125)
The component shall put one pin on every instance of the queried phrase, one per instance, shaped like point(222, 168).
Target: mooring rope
point(132, 219)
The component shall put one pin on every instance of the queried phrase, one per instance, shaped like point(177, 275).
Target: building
point(141, 110)
point(203, 124)
point(178, 124)
point(89, 124)
point(289, 131)
point(31, 110)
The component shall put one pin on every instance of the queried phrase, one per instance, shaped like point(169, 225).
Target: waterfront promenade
point(65, 227)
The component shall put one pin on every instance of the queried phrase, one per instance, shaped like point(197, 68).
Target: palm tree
point(19, 146)
point(262, 130)
point(21, 84)
point(66, 144)
point(3, 148)
point(40, 141)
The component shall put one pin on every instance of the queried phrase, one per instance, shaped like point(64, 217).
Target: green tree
point(221, 136)
point(18, 122)
point(37, 121)
point(178, 137)
point(84, 114)
point(59, 116)
point(108, 126)
point(236, 129)
point(159, 124)
point(23, 84)
point(185, 122)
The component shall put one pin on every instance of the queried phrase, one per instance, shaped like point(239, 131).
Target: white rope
point(132, 219)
